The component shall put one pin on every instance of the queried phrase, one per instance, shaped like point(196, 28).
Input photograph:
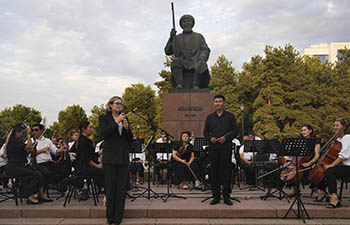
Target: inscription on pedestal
point(186, 112)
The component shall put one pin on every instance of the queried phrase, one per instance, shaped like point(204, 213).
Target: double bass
point(329, 152)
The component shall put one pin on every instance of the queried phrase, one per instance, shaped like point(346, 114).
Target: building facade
point(325, 51)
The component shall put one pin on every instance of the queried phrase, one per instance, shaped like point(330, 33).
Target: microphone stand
point(155, 128)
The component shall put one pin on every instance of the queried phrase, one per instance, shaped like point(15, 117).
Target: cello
point(329, 152)
point(289, 175)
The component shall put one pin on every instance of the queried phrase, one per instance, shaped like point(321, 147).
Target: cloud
point(58, 53)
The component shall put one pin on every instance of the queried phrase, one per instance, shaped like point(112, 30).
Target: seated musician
point(237, 145)
point(87, 159)
point(247, 158)
point(308, 132)
point(161, 165)
point(340, 167)
point(183, 157)
point(137, 163)
point(72, 146)
point(16, 152)
point(45, 150)
point(3, 163)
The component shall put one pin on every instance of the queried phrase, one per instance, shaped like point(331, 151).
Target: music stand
point(297, 147)
point(166, 148)
point(272, 146)
point(148, 190)
point(249, 146)
point(136, 147)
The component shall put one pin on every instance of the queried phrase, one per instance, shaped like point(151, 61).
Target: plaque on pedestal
point(186, 111)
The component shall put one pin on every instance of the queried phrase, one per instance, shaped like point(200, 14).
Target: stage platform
point(251, 210)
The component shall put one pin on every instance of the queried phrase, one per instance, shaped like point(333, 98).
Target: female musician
point(340, 167)
point(87, 160)
point(183, 154)
point(306, 132)
point(16, 151)
point(115, 129)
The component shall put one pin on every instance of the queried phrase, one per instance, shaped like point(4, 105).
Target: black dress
point(31, 179)
point(85, 154)
point(180, 171)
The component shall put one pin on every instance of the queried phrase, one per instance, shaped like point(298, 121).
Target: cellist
point(340, 167)
point(305, 162)
point(183, 154)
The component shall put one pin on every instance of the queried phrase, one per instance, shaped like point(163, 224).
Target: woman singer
point(183, 156)
point(115, 129)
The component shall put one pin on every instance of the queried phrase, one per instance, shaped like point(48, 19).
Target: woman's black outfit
point(85, 154)
point(115, 163)
point(31, 179)
point(180, 170)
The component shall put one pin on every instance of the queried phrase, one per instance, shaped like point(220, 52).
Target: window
point(323, 58)
point(340, 54)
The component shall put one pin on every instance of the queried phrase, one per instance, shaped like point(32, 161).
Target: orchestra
point(29, 155)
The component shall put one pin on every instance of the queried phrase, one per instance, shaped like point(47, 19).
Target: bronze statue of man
point(191, 56)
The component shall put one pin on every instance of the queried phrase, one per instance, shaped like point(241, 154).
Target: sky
point(56, 53)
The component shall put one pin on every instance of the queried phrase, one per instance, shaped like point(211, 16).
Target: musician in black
point(220, 128)
point(183, 156)
point(16, 152)
point(87, 159)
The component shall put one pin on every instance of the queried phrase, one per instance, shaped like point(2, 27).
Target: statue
point(189, 69)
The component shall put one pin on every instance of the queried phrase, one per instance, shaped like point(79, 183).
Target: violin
point(33, 162)
point(329, 152)
point(182, 150)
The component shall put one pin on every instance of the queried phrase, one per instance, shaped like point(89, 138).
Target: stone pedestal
point(186, 111)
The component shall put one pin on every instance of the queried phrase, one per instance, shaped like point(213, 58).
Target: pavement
point(154, 210)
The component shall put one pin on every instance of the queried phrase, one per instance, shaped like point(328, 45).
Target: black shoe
point(46, 200)
point(227, 201)
point(215, 201)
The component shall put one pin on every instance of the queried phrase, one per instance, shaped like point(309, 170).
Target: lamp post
point(242, 109)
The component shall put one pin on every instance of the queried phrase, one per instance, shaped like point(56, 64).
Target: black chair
point(344, 180)
point(14, 190)
point(75, 183)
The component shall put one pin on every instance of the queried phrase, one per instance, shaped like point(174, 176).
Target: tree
point(223, 81)
point(96, 112)
point(144, 100)
point(165, 84)
point(18, 114)
point(68, 120)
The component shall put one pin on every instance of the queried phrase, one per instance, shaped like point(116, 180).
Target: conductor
point(220, 128)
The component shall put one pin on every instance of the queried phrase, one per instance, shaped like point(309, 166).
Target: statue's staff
point(173, 14)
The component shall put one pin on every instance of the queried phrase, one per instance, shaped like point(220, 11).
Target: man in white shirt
point(247, 158)
point(162, 163)
point(44, 149)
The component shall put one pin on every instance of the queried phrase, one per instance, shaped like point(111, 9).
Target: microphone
point(132, 111)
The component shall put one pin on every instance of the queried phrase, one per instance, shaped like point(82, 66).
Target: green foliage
point(165, 84)
point(96, 112)
point(18, 114)
point(143, 99)
point(224, 81)
point(68, 120)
